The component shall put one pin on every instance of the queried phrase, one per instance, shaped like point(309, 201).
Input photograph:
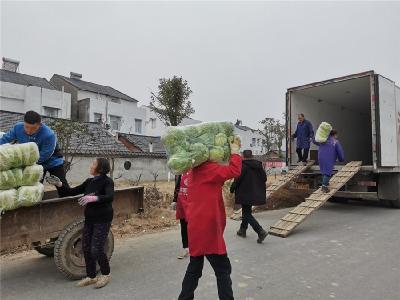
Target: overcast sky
point(238, 57)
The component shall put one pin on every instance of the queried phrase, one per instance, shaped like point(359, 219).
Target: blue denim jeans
point(325, 180)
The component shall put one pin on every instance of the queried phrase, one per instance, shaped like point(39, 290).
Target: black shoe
point(325, 189)
point(261, 236)
point(241, 232)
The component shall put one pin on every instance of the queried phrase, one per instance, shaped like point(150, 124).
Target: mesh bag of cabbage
point(190, 146)
point(18, 177)
point(323, 132)
point(18, 155)
point(8, 199)
point(30, 195)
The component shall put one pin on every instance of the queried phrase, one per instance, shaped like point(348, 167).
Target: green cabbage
point(18, 155)
point(10, 179)
point(180, 162)
point(8, 199)
point(323, 132)
point(30, 195)
point(217, 154)
point(18, 177)
point(199, 153)
point(190, 146)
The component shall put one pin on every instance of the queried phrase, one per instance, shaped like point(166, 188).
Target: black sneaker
point(241, 232)
point(261, 236)
point(325, 189)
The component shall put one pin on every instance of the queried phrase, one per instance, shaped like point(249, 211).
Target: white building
point(21, 93)
point(155, 127)
point(251, 139)
point(93, 102)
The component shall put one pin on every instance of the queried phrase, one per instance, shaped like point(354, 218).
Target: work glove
point(235, 145)
point(173, 206)
point(87, 199)
point(53, 180)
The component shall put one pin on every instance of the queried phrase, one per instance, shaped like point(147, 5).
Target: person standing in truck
point(303, 135)
point(33, 130)
point(206, 224)
point(328, 153)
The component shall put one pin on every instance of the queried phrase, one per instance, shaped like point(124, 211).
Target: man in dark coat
point(250, 189)
point(303, 135)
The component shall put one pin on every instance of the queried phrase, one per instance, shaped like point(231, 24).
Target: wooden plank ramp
point(282, 182)
point(290, 221)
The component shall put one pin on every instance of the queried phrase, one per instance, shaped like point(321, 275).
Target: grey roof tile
point(142, 142)
point(24, 79)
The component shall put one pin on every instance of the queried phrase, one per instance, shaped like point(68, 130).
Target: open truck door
point(388, 144)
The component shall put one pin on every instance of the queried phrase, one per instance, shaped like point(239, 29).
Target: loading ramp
point(282, 182)
point(296, 216)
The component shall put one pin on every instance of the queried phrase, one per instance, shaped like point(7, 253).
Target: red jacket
point(206, 210)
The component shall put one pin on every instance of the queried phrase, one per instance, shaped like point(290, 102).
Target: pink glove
point(87, 199)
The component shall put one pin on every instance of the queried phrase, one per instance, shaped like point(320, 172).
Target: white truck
point(365, 109)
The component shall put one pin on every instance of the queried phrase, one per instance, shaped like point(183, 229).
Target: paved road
point(347, 252)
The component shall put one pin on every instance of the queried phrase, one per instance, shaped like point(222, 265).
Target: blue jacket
point(45, 138)
point(304, 133)
point(328, 153)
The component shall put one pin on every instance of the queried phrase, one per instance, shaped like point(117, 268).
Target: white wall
point(127, 110)
point(140, 165)
point(160, 128)
point(247, 143)
point(21, 98)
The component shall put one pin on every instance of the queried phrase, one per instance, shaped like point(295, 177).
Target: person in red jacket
point(206, 224)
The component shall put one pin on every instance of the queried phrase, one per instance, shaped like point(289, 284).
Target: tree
point(279, 135)
point(71, 136)
point(171, 104)
point(268, 132)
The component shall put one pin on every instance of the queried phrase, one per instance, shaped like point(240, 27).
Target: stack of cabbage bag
point(323, 132)
point(190, 146)
point(20, 176)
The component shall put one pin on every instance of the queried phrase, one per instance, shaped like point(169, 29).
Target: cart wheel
point(47, 251)
point(68, 253)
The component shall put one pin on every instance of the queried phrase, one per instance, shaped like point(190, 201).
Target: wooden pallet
point(290, 221)
point(282, 182)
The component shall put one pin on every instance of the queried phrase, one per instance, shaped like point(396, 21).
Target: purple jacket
point(328, 153)
point(304, 133)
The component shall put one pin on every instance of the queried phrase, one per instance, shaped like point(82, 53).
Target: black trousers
point(302, 154)
point(94, 238)
point(248, 218)
point(184, 234)
point(222, 268)
point(58, 171)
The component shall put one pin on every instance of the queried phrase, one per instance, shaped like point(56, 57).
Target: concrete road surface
point(346, 252)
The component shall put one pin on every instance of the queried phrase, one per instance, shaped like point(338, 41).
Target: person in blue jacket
point(303, 135)
point(328, 153)
point(33, 130)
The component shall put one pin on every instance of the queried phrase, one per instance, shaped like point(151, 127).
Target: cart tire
point(68, 254)
point(47, 251)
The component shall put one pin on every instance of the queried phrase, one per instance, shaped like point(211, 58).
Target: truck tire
point(47, 251)
point(68, 254)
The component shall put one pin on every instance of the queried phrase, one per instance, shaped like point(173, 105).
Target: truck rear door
point(387, 122)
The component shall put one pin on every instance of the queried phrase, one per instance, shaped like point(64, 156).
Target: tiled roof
point(142, 142)
point(98, 142)
point(23, 79)
point(96, 88)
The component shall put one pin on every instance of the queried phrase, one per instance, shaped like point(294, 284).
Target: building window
point(50, 112)
point(258, 142)
point(138, 126)
point(116, 100)
point(98, 118)
point(153, 122)
point(253, 142)
point(115, 122)
point(127, 165)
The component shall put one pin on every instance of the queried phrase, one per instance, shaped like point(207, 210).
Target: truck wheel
point(68, 253)
point(47, 251)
